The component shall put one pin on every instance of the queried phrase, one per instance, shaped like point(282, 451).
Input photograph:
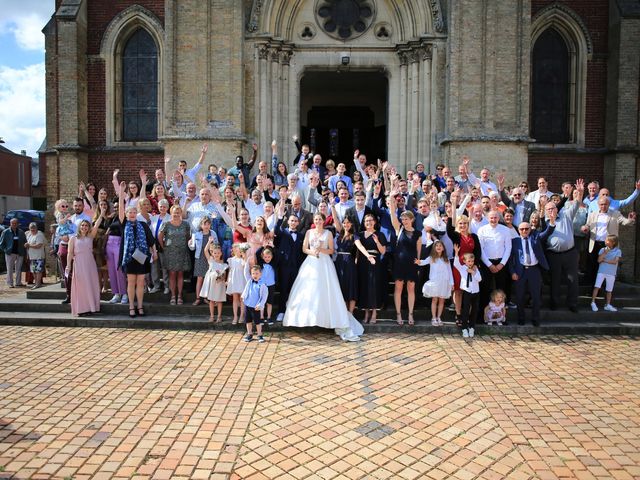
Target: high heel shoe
point(141, 312)
point(132, 313)
point(410, 319)
point(399, 320)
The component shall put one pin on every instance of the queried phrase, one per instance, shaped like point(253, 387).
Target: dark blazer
point(537, 240)
point(529, 207)
point(288, 250)
point(6, 241)
point(308, 158)
point(353, 216)
point(455, 239)
point(305, 217)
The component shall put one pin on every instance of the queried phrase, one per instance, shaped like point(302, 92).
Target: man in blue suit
point(288, 243)
point(525, 264)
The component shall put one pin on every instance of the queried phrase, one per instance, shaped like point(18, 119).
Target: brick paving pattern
point(111, 403)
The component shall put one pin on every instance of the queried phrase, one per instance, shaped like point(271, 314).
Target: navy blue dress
point(346, 267)
point(404, 256)
point(371, 278)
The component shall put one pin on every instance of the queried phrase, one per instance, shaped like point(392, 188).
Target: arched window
point(550, 80)
point(560, 49)
point(139, 88)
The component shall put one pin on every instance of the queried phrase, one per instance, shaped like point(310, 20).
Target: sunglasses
point(517, 194)
point(524, 229)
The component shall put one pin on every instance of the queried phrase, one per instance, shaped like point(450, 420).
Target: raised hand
point(356, 153)
point(295, 138)
point(115, 173)
point(143, 176)
point(255, 147)
point(167, 160)
point(632, 215)
point(205, 148)
point(274, 146)
point(638, 185)
point(123, 187)
point(580, 184)
point(466, 160)
point(500, 178)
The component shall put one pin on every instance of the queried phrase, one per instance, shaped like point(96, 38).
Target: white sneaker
point(154, 290)
point(434, 322)
point(280, 317)
point(125, 299)
point(472, 332)
point(594, 307)
point(465, 333)
point(439, 322)
point(115, 299)
point(167, 291)
point(610, 308)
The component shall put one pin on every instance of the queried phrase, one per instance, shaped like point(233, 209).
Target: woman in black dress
point(371, 245)
point(405, 254)
point(346, 259)
point(137, 242)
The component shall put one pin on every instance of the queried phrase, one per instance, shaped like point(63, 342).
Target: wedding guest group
point(330, 239)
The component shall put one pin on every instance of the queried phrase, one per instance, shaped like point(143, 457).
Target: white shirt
point(533, 259)
point(475, 225)
point(198, 210)
point(255, 209)
point(476, 277)
point(495, 243)
point(487, 187)
point(77, 219)
point(534, 197)
point(341, 208)
point(601, 226)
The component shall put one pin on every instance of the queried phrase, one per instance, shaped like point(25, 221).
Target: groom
point(289, 249)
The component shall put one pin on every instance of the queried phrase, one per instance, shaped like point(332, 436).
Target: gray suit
point(529, 207)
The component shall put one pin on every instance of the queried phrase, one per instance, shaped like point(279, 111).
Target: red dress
point(467, 245)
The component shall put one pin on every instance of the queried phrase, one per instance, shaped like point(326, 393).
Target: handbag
point(139, 257)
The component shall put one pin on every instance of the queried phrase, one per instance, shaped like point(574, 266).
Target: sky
point(22, 79)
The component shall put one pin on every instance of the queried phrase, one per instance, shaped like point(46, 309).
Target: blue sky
point(22, 79)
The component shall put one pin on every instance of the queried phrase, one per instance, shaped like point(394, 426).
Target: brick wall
point(595, 15)
point(564, 167)
point(100, 13)
point(102, 165)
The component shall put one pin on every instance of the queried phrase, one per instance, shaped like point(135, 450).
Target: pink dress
point(85, 287)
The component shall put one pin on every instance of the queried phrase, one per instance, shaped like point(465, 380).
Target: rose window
point(345, 19)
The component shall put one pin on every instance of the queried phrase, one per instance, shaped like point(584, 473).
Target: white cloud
point(25, 20)
point(22, 118)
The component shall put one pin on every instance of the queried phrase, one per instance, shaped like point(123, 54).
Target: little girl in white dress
point(237, 279)
point(440, 282)
point(496, 310)
point(213, 285)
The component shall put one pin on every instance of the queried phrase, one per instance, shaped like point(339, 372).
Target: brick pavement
point(110, 403)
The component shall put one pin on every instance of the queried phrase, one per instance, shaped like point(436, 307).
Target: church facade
point(524, 87)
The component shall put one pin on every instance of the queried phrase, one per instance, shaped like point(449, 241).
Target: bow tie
point(254, 281)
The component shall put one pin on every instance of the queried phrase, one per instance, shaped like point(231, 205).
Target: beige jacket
point(615, 219)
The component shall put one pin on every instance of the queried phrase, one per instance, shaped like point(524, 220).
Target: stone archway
point(288, 40)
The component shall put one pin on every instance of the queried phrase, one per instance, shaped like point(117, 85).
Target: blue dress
point(346, 268)
point(404, 255)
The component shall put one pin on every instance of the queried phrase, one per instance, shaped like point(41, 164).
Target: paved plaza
point(114, 403)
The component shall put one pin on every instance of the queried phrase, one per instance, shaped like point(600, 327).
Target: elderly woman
point(173, 239)
point(137, 248)
point(35, 251)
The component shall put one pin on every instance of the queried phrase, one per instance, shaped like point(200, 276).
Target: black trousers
point(469, 310)
point(592, 262)
point(530, 282)
point(491, 281)
point(286, 277)
point(564, 265)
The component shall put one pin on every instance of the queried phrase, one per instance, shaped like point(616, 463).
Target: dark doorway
point(344, 111)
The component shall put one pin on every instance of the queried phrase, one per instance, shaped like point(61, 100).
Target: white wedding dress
point(316, 299)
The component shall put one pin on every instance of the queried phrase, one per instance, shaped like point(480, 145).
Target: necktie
point(527, 252)
point(469, 277)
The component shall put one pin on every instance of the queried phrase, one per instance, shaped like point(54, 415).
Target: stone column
point(263, 112)
point(285, 99)
point(621, 167)
point(424, 150)
point(413, 109)
point(403, 99)
point(274, 57)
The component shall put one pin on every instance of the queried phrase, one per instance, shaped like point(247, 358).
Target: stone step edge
point(383, 326)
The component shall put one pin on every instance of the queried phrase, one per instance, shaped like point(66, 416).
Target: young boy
point(608, 258)
point(470, 285)
point(269, 278)
point(254, 297)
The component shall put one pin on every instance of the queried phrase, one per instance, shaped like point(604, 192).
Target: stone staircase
point(43, 307)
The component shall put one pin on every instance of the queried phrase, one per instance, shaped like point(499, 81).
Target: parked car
point(25, 217)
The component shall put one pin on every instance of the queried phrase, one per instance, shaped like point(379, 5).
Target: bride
point(316, 298)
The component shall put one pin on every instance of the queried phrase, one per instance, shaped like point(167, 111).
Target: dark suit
point(299, 156)
point(353, 216)
point(289, 258)
point(305, 217)
point(529, 278)
point(529, 207)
